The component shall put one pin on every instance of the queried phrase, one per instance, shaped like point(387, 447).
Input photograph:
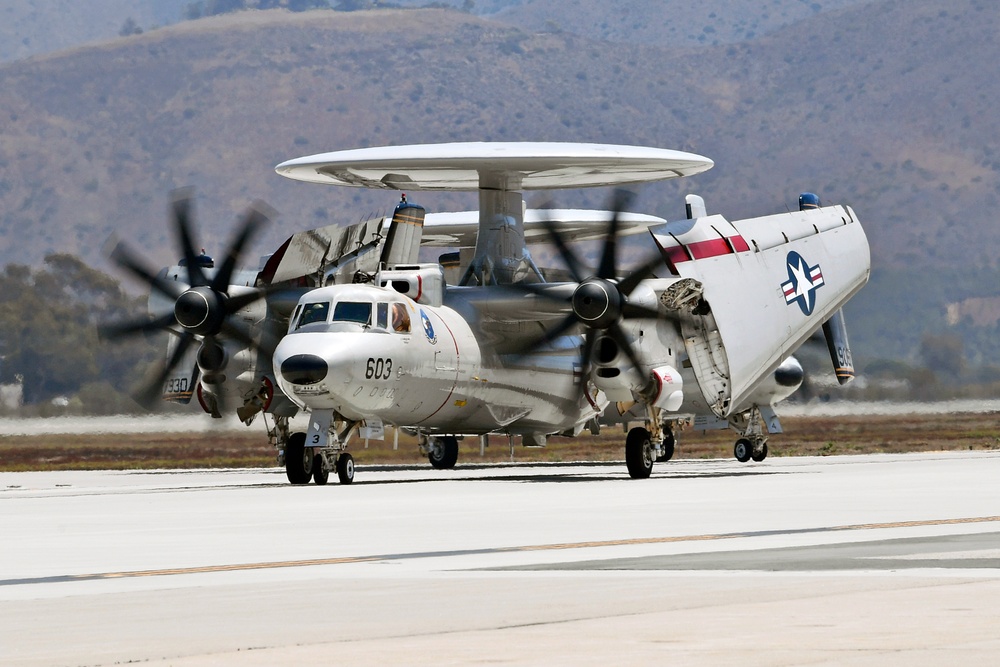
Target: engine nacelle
point(613, 372)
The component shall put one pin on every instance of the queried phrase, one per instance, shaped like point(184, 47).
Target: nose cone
point(304, 369)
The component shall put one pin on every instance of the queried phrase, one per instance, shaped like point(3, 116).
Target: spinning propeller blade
point(600, 301)
point(204, 308)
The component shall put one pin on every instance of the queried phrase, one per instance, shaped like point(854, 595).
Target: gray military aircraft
point(346, 326)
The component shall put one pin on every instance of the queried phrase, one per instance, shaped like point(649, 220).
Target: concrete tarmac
point(860, 560)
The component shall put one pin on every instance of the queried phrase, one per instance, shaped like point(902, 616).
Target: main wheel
point(639, 453)
point(743, 450)
point(321, 475)
point(444, 453)
point(760, 454)
point(668, 447)
point(298, 459)
point(345, 468)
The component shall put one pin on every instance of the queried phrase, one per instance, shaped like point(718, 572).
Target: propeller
point(600, 300)
point(203, 308)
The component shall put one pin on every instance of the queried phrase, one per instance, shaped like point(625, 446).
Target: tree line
point(201, 8)
point(49, 342)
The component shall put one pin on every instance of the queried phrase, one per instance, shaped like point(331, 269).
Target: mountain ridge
point(882, 105)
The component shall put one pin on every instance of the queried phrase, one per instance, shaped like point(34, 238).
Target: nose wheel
point(298, 459)
point(345, 468)
point(321, 473)
point(304, 464)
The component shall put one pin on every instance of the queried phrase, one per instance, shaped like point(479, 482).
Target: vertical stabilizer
point(402, 244)
point(835, 330)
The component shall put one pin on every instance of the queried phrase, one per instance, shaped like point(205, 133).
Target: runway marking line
point(268, 565)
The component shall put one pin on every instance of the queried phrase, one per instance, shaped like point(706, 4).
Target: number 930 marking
point(378, 369)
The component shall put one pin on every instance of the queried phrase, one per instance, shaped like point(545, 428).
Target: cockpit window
point(382, 314)
point(312, 313)
point(353, 311)
point(400, 318)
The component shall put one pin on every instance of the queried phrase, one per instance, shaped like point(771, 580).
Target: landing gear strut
point(667, 447)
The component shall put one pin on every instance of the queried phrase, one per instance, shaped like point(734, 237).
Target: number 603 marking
point(378, 369)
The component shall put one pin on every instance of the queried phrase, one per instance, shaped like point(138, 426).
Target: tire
point(298, 459)
point(760, 454)
point(345, 468)
point(638, 453)
point(668, 448)
point(444, 453)
point(320, 476)
point(743, 450)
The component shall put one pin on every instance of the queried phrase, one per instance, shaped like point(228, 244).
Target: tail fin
point(835, 331)
point(402, 244)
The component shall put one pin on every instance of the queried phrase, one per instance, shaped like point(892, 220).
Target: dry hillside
point(888, 105)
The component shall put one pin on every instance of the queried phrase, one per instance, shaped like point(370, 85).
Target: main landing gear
point(746, 449)
point(442, 452)
point(753, 443)
point(643, 448)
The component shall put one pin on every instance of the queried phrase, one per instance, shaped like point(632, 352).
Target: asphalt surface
point(865, 560)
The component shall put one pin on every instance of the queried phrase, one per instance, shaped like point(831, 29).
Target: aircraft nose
point(304, 369)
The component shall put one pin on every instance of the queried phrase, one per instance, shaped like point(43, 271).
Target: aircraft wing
point(459, 229)
point(771, 282)
point(307, 253)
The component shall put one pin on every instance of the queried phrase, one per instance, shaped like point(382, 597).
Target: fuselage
point(370, 352)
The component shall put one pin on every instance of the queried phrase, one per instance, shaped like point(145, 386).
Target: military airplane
point(346, 326)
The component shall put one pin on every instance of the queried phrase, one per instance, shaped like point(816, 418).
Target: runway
point(861, 560)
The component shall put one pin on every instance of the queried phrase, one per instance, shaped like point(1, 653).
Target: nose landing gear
point(304, 463)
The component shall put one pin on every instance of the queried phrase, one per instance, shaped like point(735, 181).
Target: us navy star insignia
point(803, 281)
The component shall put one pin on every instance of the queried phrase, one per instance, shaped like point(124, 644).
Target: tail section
point(402, 243)
point(835, 331)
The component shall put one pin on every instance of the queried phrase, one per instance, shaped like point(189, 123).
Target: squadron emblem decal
point(803, 281)
point(428, 328)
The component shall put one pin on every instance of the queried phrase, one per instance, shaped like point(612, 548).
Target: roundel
point(428, 328)
point(803, 281)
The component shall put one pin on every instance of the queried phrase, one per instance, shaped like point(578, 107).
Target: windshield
point(353, 311)
point(312, 313)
